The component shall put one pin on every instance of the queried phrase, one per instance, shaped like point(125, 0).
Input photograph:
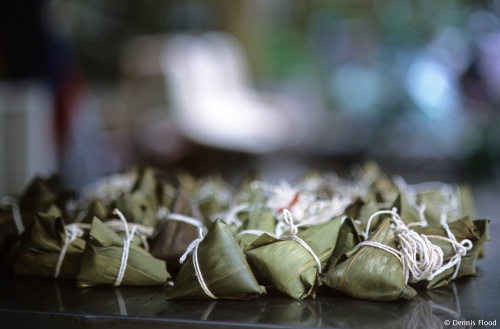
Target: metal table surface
point(47, 303)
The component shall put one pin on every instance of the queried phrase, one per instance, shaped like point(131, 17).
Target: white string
point(449, 192)
point(255, 232)
point(367, 231)
point(280, 229)
point(421, 259)
point(72, 232)
point(16, 213)
point(293, 231)
point(303, 203)
point(142, 231)
point(129, 235)
point(287, 216)
point(120, 226)
point(460, 248)
point(185, 219)
point(285, 196)
point(321, 211)
point(222, 196)
point(164, 212)
point(382, 246)
point(193, 247)
point(411, 196)
point(231, 217)
point(109, 187)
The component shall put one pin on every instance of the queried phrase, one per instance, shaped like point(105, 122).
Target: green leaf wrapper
point(476, 231)
point(41, 245)
point(102, 258)
point(173, 237)
point(140, 205)
point(287, 265)
point(223, 266)
point(371, 273)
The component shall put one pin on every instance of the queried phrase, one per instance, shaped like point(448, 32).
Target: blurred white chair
point(27, 143)
point(212, 99)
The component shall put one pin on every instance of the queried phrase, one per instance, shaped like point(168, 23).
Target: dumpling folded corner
point(349, 236)
point(257, 220)
point(475, 231)
point(288, 265)
point(103, 258)
point(43, 250)
point(371, 273)
point(222, 269)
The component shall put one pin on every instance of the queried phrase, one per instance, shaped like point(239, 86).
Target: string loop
point(293, 231)
point(420, 258)
point(193, 247)
point(129, 235)
point(72, 232)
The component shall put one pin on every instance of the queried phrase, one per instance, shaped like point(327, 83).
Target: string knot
point(192, 246)
point(421, 259)
point(142, 231)
point(287, 217)
point(72, 232)
point(460, 248)
point(293, 231)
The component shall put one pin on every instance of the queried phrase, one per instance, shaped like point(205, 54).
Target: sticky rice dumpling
point(103, 261)
point(369, 272)
point(174, 235)
point(218, 268)
point(45, 249)
point(477, 232)
point(288, 265)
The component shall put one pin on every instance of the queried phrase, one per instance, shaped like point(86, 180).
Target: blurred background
point(92, 87)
